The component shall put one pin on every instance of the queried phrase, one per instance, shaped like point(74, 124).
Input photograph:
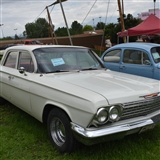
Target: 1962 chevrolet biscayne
point(68, 88)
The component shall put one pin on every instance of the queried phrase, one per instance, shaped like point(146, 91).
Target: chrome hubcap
point(58, 131)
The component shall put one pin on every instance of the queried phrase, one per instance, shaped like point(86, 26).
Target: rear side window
point(11, 60)
point(136, 57)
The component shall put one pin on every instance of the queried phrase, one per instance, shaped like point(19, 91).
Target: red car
point(32, 42)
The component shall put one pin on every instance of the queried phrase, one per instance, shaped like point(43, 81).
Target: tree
point(111, 31)
point(60, 32)
point(119, 20)
point(16, 36)
point(6, 38)
point(100, 25)
point(76, 28)
point(130, 21)
point(24, 33)
point(87, 28)
point(37, 29)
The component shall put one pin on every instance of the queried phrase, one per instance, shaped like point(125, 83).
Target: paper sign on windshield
point(57, 61)
point(155, 55)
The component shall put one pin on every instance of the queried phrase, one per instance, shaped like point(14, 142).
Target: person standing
point(108, 42)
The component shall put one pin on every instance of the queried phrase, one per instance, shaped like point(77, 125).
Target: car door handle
point(10, 77)
point(122, 67)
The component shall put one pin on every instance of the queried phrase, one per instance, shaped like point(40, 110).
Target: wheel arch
point(47, 110)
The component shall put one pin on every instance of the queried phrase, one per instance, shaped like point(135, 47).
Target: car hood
point(114, 86)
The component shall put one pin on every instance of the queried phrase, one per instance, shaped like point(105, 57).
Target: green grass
point(24, 138)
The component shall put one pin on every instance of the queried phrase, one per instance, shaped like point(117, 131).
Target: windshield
point(156, 54)
point(58, 59)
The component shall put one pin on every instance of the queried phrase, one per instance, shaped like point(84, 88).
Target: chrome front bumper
point(91, 136)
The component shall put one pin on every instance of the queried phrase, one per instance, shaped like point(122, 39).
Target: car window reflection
point(61, 59)
point(113, 56)
point(136, 57)
point(156, 54)
point(11, 60)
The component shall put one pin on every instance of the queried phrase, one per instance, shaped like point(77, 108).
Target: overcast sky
point(14, 14)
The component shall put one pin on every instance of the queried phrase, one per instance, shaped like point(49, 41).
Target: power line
point(39, 15)
point(107, 13)
point(89, 11)
point(112, 14)
point(105, 24)
point(52, 9)
point(87, 15)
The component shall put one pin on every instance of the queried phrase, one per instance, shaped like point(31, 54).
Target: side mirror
point(22, 70)
point(147, 62)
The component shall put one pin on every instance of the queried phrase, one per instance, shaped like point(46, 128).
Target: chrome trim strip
point(89, 133)
point(140, 108)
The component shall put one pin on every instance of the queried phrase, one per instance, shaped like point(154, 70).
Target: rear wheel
point(60, 132)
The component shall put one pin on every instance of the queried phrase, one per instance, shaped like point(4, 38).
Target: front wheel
point(59, 131)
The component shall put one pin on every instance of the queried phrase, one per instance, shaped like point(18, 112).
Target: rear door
point(16, 86)
point(6, 74)
point(135, 61)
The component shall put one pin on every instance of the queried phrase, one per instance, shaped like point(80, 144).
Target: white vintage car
point(68, 88)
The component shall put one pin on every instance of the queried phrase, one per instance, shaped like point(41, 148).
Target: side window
point(136, 57)
point(156, 54)
point(11, 60)
point(113, 56)
point(146, 60)
point(25, 60)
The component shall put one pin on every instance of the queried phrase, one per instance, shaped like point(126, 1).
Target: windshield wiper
point(91, 68)
point(57, 71)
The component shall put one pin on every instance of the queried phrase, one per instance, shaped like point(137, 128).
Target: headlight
point(107, 114)
point(114, 113)
point(102, 115)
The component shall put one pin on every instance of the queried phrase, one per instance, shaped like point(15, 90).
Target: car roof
point(6, 46)
point(136, 45)
point(33, 47)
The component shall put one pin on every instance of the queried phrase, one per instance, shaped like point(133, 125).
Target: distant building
point(144, 15)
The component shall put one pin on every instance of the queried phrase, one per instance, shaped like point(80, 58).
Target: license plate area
point(156, 119)
point(148, 127)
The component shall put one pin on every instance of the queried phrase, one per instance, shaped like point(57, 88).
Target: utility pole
point(15, 30)
point(100, 22)
point(121, 19)
point(65, 22)
point(154, 6)
point(50, 25)
point(93, 23)
point(122, 7)
point(60, 2)
point(2, 30)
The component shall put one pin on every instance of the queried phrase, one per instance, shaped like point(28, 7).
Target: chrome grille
point(140, 108)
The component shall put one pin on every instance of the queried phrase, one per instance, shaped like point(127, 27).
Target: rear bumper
point(92, 136)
